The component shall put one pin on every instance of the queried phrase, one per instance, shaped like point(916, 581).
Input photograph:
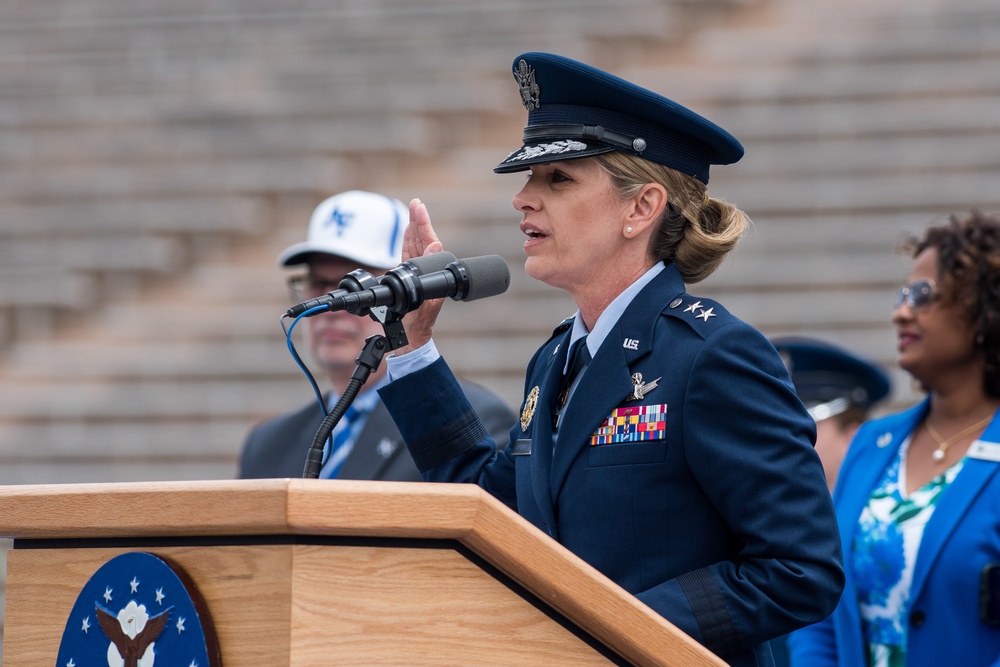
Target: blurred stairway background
point(155, 158)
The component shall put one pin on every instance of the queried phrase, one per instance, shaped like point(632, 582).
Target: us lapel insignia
point(640, 388)
point(529, 408)
point(884, 440)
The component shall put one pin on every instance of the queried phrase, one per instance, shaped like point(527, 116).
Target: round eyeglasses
point(916, 295)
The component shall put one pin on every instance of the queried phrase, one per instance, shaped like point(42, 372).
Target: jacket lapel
point(607, 381)
point(541, 430)
point(954, 503)
point(375, 447)
point(879, 451)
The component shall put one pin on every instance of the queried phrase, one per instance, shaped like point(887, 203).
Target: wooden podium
point(319, 572)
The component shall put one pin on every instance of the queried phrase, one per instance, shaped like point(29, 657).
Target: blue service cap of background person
point(576, 111)
point(364, 227)
point(829, 379)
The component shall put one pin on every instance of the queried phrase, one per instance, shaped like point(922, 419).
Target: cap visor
point(549, 151)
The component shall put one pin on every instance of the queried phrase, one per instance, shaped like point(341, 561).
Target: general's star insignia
point(705, 314)
point(693, 307)
point(529, 408)
point(640, 388)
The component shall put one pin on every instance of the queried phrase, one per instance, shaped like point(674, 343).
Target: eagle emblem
point(132, 632)
point(530, 92)
point(136, 610)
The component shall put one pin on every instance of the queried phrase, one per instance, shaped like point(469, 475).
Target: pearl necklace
point(944, 444)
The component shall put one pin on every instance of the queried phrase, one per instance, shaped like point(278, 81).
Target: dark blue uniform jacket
point(722, 522)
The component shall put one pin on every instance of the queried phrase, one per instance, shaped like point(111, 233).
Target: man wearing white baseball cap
point(351, 230)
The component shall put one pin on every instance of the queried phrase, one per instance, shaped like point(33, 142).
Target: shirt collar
point(612, 313)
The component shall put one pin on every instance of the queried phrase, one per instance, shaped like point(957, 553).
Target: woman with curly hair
point(918, 499)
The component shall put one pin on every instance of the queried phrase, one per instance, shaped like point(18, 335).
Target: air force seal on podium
point(136, 611)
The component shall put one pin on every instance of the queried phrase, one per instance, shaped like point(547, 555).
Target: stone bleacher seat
point(159, 156)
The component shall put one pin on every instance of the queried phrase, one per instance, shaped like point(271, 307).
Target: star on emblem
point(705, 314)
point(693, 307)
point(134, 584)
point(180, 625)
point(86, 625)
point(159, 596)
point(194, 663)
point(107, 594)
point(640, 388)
point(71, 663)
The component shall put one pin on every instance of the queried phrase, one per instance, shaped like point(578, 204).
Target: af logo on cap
point(136, 611)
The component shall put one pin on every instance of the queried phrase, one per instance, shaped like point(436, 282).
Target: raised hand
point(420, 239)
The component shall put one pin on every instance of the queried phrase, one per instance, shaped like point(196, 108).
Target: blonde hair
point(696, 232)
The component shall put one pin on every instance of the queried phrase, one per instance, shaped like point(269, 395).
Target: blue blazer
point(962, 536)
point(722, 524)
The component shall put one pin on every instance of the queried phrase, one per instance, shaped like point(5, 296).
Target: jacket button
point(917, 619)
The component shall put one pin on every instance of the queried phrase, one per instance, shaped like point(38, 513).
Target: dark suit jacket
point(721, 522)
point(277, 448)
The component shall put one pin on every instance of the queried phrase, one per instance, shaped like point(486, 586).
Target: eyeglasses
point(302, 288)
point(916, 295)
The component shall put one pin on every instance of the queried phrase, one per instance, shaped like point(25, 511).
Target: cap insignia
point(530, 92)
point(340, 219)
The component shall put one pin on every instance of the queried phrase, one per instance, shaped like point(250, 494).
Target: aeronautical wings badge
point(640, 388)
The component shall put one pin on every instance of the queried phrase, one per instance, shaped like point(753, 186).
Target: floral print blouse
point(884, 553)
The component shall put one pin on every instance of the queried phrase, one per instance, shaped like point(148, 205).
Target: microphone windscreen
point(437, 261)
point(488, 275)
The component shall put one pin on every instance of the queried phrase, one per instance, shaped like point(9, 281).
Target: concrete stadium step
point(190, 213)
point(246, 136)
point(933, 192)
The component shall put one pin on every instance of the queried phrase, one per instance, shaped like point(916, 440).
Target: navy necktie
point(579, 357)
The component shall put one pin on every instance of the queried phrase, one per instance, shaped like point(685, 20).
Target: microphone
point(402, 291)
point(407, 271)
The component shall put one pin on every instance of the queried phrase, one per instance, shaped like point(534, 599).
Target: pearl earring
point(628, 230)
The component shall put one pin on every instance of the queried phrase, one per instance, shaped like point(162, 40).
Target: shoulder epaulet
point(563, 326)
point(701, 314)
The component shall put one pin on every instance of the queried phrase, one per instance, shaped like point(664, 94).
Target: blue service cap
point(822, 372)
point(576, 111)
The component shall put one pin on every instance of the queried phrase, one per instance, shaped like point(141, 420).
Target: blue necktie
point(341, 436)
